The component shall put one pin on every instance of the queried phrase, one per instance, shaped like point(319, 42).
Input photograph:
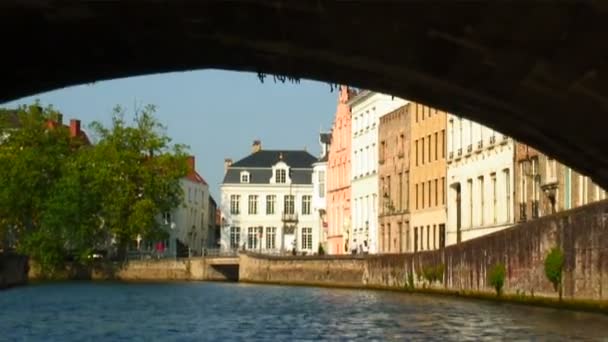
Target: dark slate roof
point(267, 158)
point(262, 176)
point(259, 165)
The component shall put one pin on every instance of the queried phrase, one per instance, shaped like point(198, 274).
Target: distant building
point(188, 223)
point(544, 186)
point(366, 109)
point(394, 166)
point(339, 176)
point(319, 184)
point(427, 177)
point(480, 180)
point(267, 202)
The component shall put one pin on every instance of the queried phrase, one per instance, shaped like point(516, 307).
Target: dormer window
point(244, 177)
point(280, 176)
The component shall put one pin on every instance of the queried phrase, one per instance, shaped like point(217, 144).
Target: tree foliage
point(62, 199)
point(554, 264)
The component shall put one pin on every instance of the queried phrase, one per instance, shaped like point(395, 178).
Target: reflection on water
point(216, 311)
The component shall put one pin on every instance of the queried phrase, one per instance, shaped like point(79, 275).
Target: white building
point(267, 202)
point(480, 180)
point(319, 185)
point(188, 223)
point(366, 108)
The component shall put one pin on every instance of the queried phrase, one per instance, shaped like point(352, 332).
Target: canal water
point(240, 312)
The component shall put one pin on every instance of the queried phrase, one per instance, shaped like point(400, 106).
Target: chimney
point(257, 146)
point(74, 128)
point(191, 164)
point(227, 163)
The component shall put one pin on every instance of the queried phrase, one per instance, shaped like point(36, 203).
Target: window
point(288, 204)
point(401, 145)
point(428, 143)
point(244, 177)
point(415, 239)
point(434, 236)
point(436, 145)
point(428, 237)
point(429, 196)
point(321, 184)
point(307, 238)
point(189, 194)
point(306, 204)
point(400, 191)
point(167, 217)
point(417, 111)
point(280, 176)
point(436, 192)
point(416, 147)
point(235, 237)
point(270, 200)
point(271, 233)
point(508, 194)
point(252, 238)
point(234, 204)
point(416, 186)
point(422, 197)
point(382, 151)
point(421, 238)
point(253, 205)
point(494, 199)
point(422, 152)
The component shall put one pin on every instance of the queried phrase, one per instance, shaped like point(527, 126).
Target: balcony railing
point(289, 217)
point(522, 212)
point(492, 139)
point(470, 148)
point(480, 144)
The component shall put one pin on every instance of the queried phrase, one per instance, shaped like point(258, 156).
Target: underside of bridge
point(536, 70)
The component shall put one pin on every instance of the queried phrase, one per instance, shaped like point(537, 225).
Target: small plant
point(433, 273)
point(410, 280)
point(497, 277)
point(321, 251)
point(554, 264)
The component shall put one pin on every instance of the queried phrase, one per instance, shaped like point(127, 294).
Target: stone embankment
point(582, 234)
point(13, 270)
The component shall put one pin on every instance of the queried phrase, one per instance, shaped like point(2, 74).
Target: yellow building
point(427, 178)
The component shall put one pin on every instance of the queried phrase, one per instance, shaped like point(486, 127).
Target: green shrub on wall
point(321, 251)
point(554, 264)
point(433, 273)
point(497, 277)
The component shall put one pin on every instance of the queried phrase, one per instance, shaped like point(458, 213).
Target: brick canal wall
point(581, 233)
point(13, 270)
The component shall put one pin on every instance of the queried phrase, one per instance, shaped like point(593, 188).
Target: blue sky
point(217, 113)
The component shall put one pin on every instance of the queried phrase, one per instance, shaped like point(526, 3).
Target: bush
point(554, 264)
point(497, 277)
point(433, 273)
point(321, 251)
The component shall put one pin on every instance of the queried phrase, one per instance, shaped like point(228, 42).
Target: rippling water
point(227, 312)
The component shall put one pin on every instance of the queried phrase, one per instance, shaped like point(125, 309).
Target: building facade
point(366, 109)
point(544, 186)
point(393, 170)
point(267, 203)
point(187, 224)
point(338, 176)
point(480, 180)
point(427, 178)
point(319, 196)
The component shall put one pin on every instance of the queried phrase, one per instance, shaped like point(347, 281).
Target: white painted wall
point(244, 220)
point(366, 109)
point(467, 162)
point(319, 200)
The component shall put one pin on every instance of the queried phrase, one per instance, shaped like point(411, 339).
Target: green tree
point(554, 264)
point(138, 173)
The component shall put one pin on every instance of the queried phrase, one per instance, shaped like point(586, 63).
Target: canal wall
point(184, 269)
point(13, 270)
point(582, 234)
